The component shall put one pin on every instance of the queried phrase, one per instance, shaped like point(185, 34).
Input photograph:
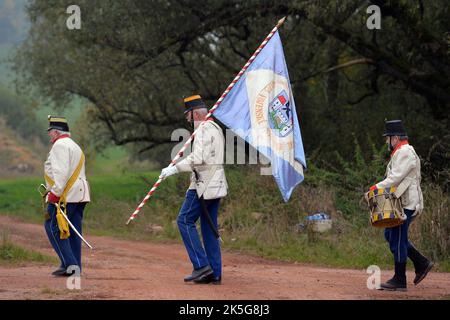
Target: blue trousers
point(398, 238)
point(190, 211)
point(68, 250)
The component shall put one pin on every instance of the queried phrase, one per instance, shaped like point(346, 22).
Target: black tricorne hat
point(395, 128)
point(58, 123)
point(193, 102)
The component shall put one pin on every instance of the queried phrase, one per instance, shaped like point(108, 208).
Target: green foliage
point(20, 116)
point(357, 176)
point(432, 229)
point(350, 178)
point(133, 62)
point(5, 72)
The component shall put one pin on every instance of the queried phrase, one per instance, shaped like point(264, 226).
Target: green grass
point(110, 161)
point(114, 198)
point(12, 254)
point(324, 251)
point(352, 242)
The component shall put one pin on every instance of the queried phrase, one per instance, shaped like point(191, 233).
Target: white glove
point(168, 171)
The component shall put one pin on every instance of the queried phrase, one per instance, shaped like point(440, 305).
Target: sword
point(208, 218)
point(206, 213)
point(73, 228)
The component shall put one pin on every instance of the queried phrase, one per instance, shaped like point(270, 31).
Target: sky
point(13, 22)
point(13, 30)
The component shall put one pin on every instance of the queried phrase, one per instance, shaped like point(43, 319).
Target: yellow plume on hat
point(193, 102)
point(194, 97)
point(58, 123)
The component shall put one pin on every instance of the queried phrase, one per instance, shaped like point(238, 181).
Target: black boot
point(209, 279)
point(398, 281)
point(421, 264)
point(199, 273)
point(64, 272)
point(60, 271)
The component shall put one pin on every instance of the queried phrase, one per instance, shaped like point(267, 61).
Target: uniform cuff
point(52, 198)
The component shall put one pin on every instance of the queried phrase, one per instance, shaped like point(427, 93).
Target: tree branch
point(338, 67)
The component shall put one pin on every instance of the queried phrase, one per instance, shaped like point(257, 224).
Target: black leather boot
point(199, 273)
point(421, 264)
point(64, 272)
point(209, 279)
point(60, 271)
point(398, 281)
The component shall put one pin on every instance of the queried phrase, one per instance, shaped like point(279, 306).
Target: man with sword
point(67, 193)
point(208, 185)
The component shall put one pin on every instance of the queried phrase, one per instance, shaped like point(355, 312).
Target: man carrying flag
point(261, 110)
point(208, 185)
point(259, 107)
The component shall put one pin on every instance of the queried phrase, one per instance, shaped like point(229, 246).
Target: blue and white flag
point(261, 109)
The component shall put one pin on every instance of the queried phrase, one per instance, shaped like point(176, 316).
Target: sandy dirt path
point(122, 269)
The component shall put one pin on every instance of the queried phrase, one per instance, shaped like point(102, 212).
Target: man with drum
point(403, 173)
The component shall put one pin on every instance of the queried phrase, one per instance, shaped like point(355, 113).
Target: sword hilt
point(42, 187)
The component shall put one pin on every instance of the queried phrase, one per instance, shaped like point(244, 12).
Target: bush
point(431, 231)
point(20, 116)
point(350, 179)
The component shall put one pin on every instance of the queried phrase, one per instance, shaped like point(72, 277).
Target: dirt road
point(120, 269)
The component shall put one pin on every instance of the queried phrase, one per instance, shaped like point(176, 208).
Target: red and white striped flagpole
point(216, 105)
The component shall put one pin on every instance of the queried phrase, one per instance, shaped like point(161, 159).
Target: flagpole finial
point(280, 22)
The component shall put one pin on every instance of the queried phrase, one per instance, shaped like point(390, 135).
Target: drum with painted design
point(385, 209)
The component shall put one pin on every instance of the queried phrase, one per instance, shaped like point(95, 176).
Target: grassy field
point(253, 218)
point(12, 254)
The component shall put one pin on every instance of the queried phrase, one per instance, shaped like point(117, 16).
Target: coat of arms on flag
point(280, 116)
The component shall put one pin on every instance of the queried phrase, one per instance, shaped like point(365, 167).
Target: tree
point(19, 116)
point(135, 60)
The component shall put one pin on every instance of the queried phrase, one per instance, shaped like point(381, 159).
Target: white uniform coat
point(403, 172)
point(207, 159)
point(61, 162)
